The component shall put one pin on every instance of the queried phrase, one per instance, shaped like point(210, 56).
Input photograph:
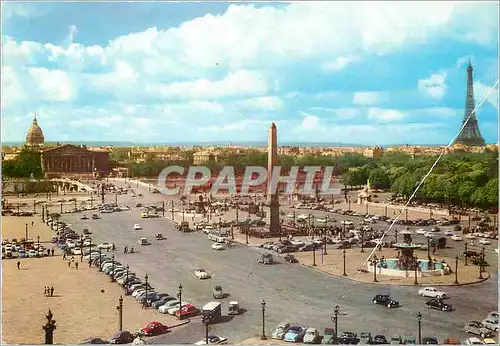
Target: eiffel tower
point(470, 134)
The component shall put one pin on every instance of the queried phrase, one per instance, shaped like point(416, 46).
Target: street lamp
point(465, 254)
point(374, 268)
point(362, 240)
point(100, 258)
point(314, 255)
point(81, 248)
point(120, 313)
point(324, 242)
point(263, 336)
point(429, 248)
point(126, 279)
point(334, 319)
point(396, 236)
point(206, 318)
point(113, 267)
point(26, 231)
point(456, 270)
point(419, 317)
point(344, 274)
point(481, 259)
point(146, 287)
point(90, 253)
point(37, 244)
point(49, 328)
point(416, 270)
point(180, 300)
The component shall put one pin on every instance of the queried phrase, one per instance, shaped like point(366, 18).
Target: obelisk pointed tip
point(273, 125)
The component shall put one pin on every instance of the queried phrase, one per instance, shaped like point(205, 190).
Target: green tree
point(379, 179)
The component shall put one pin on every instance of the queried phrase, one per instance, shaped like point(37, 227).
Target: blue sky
point(366, 73)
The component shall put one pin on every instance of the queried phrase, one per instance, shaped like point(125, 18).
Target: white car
point(31, 253)
point(420, 231)
point(105, 246)
point(218, 246)
point(321, 220)
point(449, 233)
point(470, 236)
point(429, 235)
point(137, 227)
point(347, 223)
point(76, 251)
point(291, 216)
point(164, 308)
point(201, 274)
point(491, 324)
point(474, 341)
point(87, 242)
point(456, 238)
point(431, 292)
point(484, 242)
point(213, 340)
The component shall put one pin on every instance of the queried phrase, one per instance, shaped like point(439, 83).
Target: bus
point(144, 213)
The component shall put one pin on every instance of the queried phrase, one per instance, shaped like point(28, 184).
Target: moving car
point(431, 292)
point(233, 308)
point(154, 328)
point(217, 292)
point(484, 242)
point(105, 245)
point(280, 331)
point(143, 241)
point(137, 227)
point(475, 327)
point(290, 258)
point(201, 274)
point(265, 258)
point(295, 334)
point(95, 217)
point(84, 217)
point(385, 299)
point(218, 246)
point(438, 304)
point(456, 238)
point(311, 336)
point(213, 339)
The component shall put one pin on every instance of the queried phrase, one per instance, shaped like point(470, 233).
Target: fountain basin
point(391, 269)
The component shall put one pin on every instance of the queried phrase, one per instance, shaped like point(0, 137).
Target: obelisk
point(272, 196)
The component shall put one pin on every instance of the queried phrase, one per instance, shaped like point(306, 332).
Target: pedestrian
point(52, 291)
point(48, 252)
point(107, 249)
point(69, 263)
point(72, 258)
point(76, 265)
point(52, 251)
point(64, 254)
point(18, 265)
point(45, 289)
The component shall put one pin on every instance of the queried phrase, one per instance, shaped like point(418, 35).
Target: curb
point(180, 324)
point(397, 284)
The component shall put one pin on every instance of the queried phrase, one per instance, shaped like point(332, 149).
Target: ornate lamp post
point(324, 242)
point(126, 279)
point(26, 231)
point(37, 244)
point(263, 336)
point(335, 319)
point(81, 248)
point(49, 328)
point(314, 255)
point(362, 240)
point(180, 300)
point(232, 231)
point(90, 253)
point(343, 253)
point(113, 267)
point(465, 253)
point(374, 268)
point(456, 270)
point(481, 259)
point(100, 258)
point(146, 297)
point(206, 319)
point(419, 317)
point(237, 214)
point(428, 248)
point(416, 270)
point(396, 236)
point(120, 313)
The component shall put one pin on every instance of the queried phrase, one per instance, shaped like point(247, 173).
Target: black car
point(438, 304)
point(121, 337)
point(429, 340)
point(385, 299)
point(290, 258)
point(348, 338)
point(380, 340)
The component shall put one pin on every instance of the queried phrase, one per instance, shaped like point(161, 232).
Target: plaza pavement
point(292, 292)
point(79, 306)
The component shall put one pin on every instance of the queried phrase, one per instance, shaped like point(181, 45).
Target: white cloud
point(385, 115)
point(235, 84)
point(340, 113)
point(12, 89)
point(434, 86)
point(54, 85)
point(266, 103)
point(367, 98)
point(105, 121)
point(480, 92)
point(310, 122)
point(337, 64)
point(73, 30)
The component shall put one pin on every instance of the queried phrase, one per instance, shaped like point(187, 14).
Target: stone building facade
point(75, 161)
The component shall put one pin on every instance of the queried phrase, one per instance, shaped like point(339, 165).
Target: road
point(292, 292)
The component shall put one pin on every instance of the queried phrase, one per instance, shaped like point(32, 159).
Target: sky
point(374, 73)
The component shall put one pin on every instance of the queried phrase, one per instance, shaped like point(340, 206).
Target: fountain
point(407, 263)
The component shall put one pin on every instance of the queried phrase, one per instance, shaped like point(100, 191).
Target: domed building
point(35, 134)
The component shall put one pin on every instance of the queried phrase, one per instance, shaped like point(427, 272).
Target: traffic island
point(357, 268)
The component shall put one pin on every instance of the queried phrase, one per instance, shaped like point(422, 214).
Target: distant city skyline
point(214, 73)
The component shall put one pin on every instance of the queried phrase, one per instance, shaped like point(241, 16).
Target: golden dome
point(35, 134)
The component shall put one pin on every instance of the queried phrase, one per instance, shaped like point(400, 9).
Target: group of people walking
point(48, 291)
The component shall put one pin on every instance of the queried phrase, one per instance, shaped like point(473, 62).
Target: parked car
point(154, 328)
point(162, 301)
point(474, 341)
point(491, 324)
point(380, 340)
point(490, 341)
point(168, 305)
point(280, 331)
point(396, 340)
point(475, 327)
point(213, 340)
point(348, 338)
point(121, 337)
point(385, 299)
point(430, 340)
point(438, 304)
point(295, 334)
point(311, 336)
point(105, 245)
point(329, 336)
point(187, 311)
point(365, 338)
point(431, 292)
